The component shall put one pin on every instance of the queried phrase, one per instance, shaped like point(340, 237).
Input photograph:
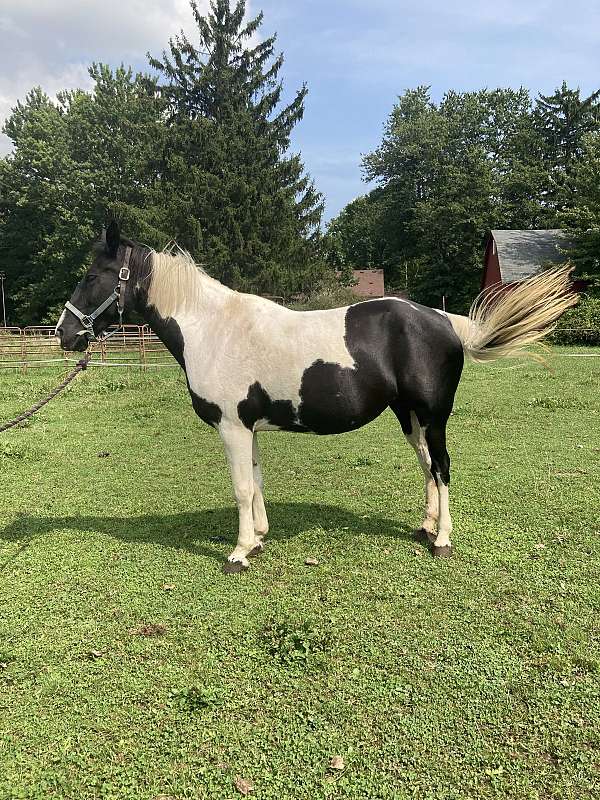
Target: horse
point(252, 365)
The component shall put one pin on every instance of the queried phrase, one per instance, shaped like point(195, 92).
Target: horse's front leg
point(259, 513)
point(238, 448)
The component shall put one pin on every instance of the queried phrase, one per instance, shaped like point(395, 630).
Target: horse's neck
point(213, 298)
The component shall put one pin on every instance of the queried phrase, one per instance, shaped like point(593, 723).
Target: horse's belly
point(335, 416)
point(335, 399)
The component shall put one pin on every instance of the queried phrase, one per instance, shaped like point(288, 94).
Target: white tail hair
point(505, 323)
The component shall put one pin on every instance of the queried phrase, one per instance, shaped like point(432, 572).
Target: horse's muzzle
point(74, 344)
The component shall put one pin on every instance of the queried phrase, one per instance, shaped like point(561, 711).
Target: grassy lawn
point(131, 667)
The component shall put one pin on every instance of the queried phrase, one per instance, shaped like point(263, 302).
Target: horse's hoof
point(256, 551)
point(442, 552)
point(234, 567)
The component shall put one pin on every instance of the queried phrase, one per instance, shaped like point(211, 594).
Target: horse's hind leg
point(259, 513)
point(429, 443)
point(435, 435)
point(415, 435)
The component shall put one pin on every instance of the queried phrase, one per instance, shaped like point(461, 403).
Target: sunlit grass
point(130, 667)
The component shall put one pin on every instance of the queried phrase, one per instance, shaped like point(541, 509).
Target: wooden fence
point(133, 346)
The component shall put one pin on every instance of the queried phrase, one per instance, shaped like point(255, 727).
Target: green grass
point(476, 677)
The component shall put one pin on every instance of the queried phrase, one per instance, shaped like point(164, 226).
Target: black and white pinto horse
point(252, 365)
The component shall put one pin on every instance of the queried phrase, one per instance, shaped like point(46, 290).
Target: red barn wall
point(491, 270)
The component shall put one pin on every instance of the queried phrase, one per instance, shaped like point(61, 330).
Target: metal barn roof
point(522, 254)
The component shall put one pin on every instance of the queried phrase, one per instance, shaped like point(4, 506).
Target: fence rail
point(35, 346)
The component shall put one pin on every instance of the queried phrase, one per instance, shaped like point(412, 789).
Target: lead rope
point(80, 366)
point(88, 323)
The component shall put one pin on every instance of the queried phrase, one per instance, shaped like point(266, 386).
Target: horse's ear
point(113, 238)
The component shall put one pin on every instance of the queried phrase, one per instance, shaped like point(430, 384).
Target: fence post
point(142, 348)
point(23, 352)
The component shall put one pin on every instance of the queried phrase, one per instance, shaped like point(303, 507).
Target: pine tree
point(564, 119)
point(234, 196)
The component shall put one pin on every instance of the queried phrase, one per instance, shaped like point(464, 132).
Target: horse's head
point(100, 296)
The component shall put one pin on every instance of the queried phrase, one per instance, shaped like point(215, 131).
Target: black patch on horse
point(337, 399)
point(167, 330)
point(207, 411)
point(258, 405)
point(406, 356)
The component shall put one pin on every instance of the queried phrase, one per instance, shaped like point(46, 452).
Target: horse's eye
point(91, 278)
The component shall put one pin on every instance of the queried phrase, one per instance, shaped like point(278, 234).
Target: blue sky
point(356, 57)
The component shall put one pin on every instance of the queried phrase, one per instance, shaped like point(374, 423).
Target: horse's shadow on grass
point(209, 532)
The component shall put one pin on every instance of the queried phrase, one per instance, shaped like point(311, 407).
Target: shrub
point(580, 325)
point(327, 294)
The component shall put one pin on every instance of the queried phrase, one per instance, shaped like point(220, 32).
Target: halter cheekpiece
point(117, 295)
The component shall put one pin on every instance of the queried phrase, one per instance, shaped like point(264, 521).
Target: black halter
point(118, 295)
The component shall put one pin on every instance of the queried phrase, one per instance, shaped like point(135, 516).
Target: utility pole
point(2, 277)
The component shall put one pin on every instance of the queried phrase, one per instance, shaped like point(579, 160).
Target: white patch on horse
point(265, 425)
point(234, 340)
point(238, 449)
point(259, 513)
point(397, 299)
point(408, 303)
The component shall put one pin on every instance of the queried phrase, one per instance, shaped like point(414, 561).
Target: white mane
point(176, 282)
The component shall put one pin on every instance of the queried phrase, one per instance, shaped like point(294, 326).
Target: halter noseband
point(118, 295)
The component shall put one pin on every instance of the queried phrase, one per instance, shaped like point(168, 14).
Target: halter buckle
point(124, 273)
point(87, 322)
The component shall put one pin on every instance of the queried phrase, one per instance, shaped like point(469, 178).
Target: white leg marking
point(238, 448)
point(419, 443)
point(259, 513)
point(445, 521)
point(432, 505)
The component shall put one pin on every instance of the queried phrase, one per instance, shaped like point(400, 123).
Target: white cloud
point(52, 43)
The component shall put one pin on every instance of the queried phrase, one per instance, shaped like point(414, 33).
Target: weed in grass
point(362, 461)
point(149, 629)
point(120, 384)
point(196, 698)
point(143, 414)
point(296, 643)
point(10, 451)
point(554, 403)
